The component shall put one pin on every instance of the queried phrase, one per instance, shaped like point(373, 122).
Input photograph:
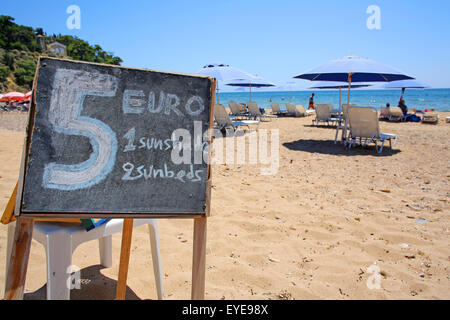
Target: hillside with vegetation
point(21, 46)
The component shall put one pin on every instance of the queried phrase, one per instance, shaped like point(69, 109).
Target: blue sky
point(274, 39)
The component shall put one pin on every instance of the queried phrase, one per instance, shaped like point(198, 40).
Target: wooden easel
point(198, 259)
point(17, 269)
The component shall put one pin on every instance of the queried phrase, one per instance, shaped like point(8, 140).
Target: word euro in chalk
point(74, 20)
point(70, 87)
point(374, 20)
point(134, 102)
point(133, 173)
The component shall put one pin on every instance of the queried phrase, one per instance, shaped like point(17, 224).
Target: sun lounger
point(395, 114)
point(323, 114)
point(384, 113)
point(297, 111)
point(307, 112)
point(237, 110)
point(343, 123)
point(276, 109)
point(447, 119)
point(432, 118)
point(365, 128)
point(292, 111)
point(255, 113)
point(223, 119)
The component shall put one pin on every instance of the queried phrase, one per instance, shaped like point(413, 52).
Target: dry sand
point(309, 232)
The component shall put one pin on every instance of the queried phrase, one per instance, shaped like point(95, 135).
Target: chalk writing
point(133, 173)
point(168, 103)
point(70, 88)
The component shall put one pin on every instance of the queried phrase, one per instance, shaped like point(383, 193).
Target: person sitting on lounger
point(311, 102)
point(403, 106)
point(413, 117)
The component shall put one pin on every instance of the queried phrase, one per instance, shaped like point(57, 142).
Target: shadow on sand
point(328, 147)
point(321, 126)
point(94, 286)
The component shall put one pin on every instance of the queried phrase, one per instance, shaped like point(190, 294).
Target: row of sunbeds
point(396, 114)
point(359, 125)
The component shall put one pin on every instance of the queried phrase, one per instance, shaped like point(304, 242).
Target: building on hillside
point(57, 48)
point(40, 39)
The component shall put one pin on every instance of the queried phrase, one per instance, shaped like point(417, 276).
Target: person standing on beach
point(311, 102)
point(403, 93)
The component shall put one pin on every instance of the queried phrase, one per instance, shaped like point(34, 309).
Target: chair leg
point(382, 145)
point(9, 245)
point(337, 133)
point(105, 248)
point(156, 259)
point(59, 259)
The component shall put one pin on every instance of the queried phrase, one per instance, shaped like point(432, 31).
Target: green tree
point(24, 73)
point(4, 73)
point(14, 36)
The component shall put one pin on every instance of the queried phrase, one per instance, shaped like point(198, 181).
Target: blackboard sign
point(108, 141)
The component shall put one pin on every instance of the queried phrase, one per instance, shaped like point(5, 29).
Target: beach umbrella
point(28, 95)
point(13, 96)
point(252, 81)
point(223, 72)
point(353, 69)
point(338, 85)
point(405, 84)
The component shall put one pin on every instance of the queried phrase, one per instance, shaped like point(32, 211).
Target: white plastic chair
point(61, 239)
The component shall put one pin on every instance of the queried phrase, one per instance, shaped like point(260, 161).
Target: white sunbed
point(255, 113)
point(432, 118)
point(324, 114)
point(298, 110)
point(394, 114)
point(276, 109)
point(365, 128)
point(223, 119)
point(237, 110)
point(343, 123)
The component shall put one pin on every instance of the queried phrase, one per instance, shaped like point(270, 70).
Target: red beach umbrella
point(13, 96)
point(28, 95)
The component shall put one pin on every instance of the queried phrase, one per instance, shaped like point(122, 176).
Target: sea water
point(437, 99)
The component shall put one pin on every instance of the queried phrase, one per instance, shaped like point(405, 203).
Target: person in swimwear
point(311, 102)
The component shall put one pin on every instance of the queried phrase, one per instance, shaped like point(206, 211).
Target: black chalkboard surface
point(108, 141)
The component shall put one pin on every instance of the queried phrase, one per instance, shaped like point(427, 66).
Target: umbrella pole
point(340, 117)
point(250, 94)
point(344, 133)
point(349, 86)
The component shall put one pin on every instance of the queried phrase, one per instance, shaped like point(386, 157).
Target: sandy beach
point(316, 230)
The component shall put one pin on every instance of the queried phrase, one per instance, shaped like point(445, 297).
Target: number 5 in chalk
point(70, 87)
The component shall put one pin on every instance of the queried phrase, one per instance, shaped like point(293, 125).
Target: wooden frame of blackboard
point(16, 275)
